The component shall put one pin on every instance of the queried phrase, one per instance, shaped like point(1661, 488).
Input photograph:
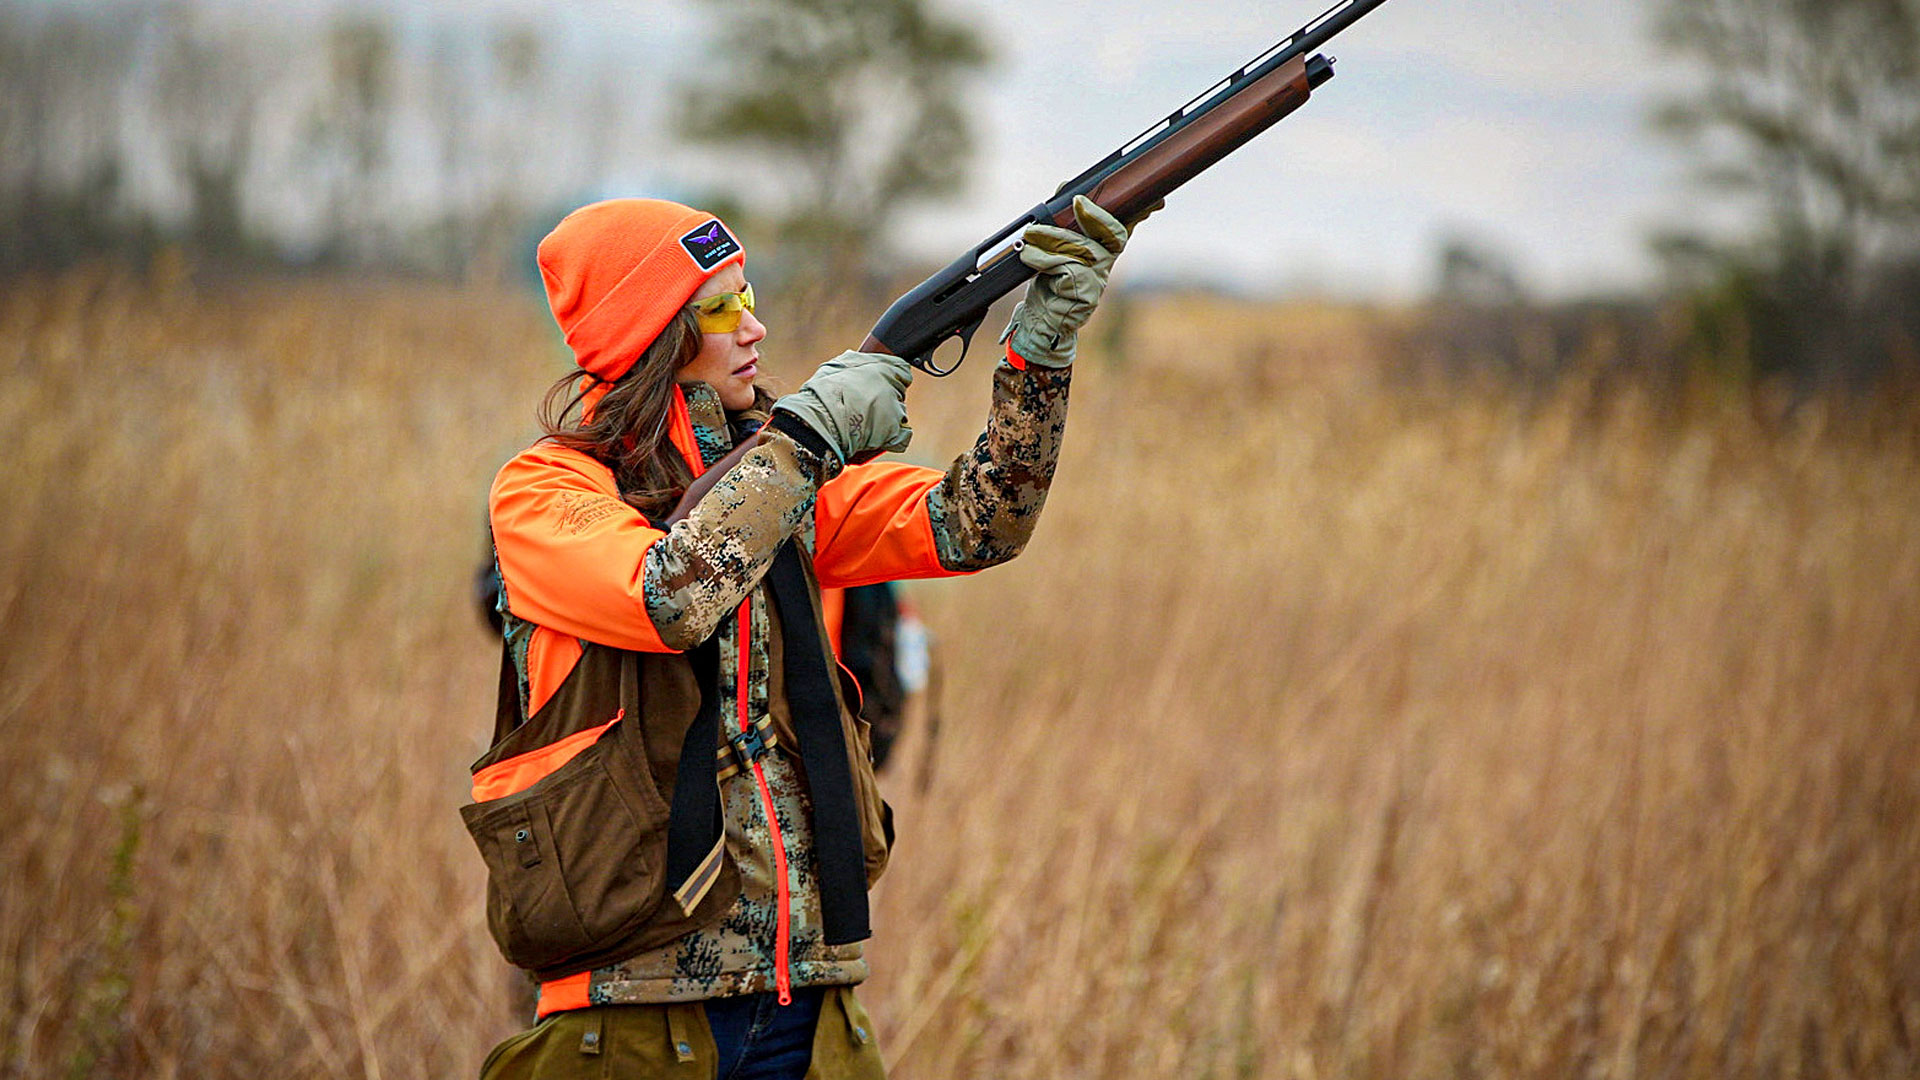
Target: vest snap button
point(684, 1050)
point(520, 837)
point(591, 1038)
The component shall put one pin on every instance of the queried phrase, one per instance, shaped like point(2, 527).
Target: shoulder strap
point(823, 752)
point(696, 831)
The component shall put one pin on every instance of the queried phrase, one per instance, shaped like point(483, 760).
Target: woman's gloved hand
point(857, 403)
point(1073, 270)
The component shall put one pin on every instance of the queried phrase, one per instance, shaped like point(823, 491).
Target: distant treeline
point(1739, 320)
point(1803, 123)
point(354, 136)
point(342, 138)
point(1806, 116)
point(380, 137)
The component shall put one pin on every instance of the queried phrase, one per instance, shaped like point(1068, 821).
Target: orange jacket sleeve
point(871, 524)
point(885, 521)
point(577, 559)
point(572, 554)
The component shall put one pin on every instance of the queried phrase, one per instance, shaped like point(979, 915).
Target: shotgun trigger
point(965, 334)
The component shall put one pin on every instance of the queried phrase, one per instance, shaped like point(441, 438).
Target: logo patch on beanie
point(710, 244)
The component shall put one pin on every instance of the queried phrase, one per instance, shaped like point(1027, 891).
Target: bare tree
point(206, 97)
point(857, 101)
point(377, 143)
point(1808, 111)
point(61, 175)
point(350, 128)
point(1813, 108)
point(1475, 273)
point(520, 137)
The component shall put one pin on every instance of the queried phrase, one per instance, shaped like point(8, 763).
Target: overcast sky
point(1520, 124)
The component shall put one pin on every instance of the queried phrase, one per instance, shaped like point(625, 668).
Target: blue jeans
point(759, 1039)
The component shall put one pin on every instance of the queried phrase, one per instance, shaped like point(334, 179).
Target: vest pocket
point(876, 817)
point(575, 861)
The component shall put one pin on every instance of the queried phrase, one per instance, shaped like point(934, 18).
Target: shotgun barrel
point(1127, 183)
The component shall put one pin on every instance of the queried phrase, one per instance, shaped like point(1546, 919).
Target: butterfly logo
point(709, 245)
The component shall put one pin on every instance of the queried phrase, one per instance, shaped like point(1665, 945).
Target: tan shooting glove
point(1073, 269)
point(856, 403)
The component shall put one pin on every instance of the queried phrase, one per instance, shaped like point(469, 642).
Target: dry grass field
point(1329, 728)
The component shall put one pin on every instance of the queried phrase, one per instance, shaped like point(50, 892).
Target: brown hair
point(627, 429)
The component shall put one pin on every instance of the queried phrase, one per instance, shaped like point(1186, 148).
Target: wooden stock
point(1193, 149)
point(875, 345)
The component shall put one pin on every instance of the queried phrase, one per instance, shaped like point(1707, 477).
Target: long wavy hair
point(627, 429)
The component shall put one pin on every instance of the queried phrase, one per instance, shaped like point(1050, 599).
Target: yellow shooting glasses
point(720, 313)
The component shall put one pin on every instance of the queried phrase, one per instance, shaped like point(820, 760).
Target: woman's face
point(727, 362)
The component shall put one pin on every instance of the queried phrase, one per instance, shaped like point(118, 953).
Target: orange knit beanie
point(617, 271)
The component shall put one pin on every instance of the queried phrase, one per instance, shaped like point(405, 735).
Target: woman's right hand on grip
point(857, 403)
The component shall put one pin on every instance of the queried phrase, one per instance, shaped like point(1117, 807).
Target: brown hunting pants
point(671, 1042)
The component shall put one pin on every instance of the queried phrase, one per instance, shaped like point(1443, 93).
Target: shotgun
point(1127, 183)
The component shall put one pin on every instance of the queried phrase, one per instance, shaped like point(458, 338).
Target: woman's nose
point(751, 329)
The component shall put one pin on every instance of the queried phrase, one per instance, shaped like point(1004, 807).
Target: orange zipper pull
point(783, 896)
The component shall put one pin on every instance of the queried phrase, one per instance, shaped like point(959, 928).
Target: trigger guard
point(965, 333)
point(926, 362)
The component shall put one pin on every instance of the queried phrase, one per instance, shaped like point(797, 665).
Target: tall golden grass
point(1327, 729)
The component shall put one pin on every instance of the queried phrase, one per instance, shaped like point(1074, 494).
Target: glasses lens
point(720, 314)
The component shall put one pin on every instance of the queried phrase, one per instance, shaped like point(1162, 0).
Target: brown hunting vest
point(600, 853)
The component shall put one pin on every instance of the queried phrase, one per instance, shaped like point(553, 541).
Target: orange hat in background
point(617, 271)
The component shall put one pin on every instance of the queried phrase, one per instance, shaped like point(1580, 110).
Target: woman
point(678, 814)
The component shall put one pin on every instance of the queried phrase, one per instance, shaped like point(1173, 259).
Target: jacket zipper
point(783, 927)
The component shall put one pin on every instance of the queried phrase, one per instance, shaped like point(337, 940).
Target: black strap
point(823, 751)
point(694, 823)
point(801, 432)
